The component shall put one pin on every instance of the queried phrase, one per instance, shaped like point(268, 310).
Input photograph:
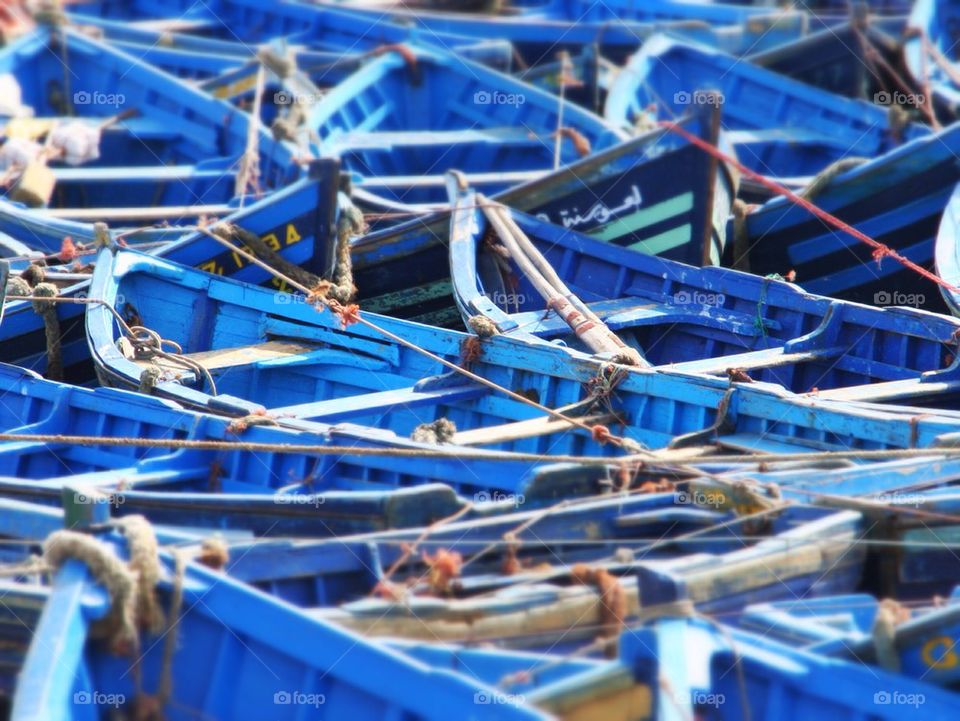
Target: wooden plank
point(125, 214)
point(522, 429)
point(146, 173)
point(753, 360)
point(891, 390)
point(237, 356)
point(755, 443)
point(342, 409)
point(171, 25)
point(445, 138)
point(428, 181)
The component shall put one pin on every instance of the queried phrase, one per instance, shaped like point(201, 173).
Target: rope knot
point(68, 250)
point(41, 293)
point(145, 564)
point(444, 567)
point(119, 624)
point(257, 418)
point(482, 326)
point(438, 432)
point(600, 433)
point(149, 378)
point(880, 253)
point(34, 274)
point(349, 314)
point(605, 382)
point(17, 287)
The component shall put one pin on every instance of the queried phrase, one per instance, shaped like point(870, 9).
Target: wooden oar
point(594, 332)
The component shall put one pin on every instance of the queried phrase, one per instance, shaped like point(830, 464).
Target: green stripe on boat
point(642, 218)
point(664, 241)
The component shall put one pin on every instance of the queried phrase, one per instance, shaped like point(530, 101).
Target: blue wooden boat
point(780, 127)
point(215, 624)
point(495, 128)
point(947, 250)
point(725, 674)
point(651, 192)
point(256, 352)
point(837, 58)
point(918, 642)
point(897, 199)
point(516, 582)
point(175, 152)
point(701, 320)
point(255, 491)
point(296, 221)
point(930, 51)
point(325, 43)
point(237, 24)
point(539, 33)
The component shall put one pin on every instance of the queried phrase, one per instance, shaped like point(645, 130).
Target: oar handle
point(119, 118)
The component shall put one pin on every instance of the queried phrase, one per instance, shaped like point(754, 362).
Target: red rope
point(879, 249)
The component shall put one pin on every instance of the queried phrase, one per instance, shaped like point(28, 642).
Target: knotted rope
point(436, 433)
point(119, 625)
point(145, 344)
point(47, 310)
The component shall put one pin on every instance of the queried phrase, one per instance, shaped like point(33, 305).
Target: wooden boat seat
point(162, 212)
point(519, 430)
point(658, 313)
point(622, 314)
point(142, 127)
point(890, 391)
point(232, 357)
point(783, 135)
point(429, 181)
point(343, 409)
point(757, 443)
point(148, 173)
point(755, 360)
point(387, 140)
point(172, 25)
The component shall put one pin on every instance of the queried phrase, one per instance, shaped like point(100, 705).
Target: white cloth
point(11, 98)
point(77, 141)
point(18, 152)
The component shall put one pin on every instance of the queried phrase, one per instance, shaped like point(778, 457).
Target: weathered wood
point(239, 356)
point(124, 214)
point(523, 429)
